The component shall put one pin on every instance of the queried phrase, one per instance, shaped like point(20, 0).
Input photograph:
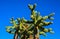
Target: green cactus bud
point(30, 6)
point(8, 30)
point(51, 14)
point(42, 33)
point(45, 17)
point(24, 20)
point(51, 18)
point(45, 30)
point(46, 23)
point(14, 27)
point(30, 32)
point(35, 5)
point(19, 31)
point(32, 16)
point(12, 19)
point(8, 27)
point(50, 29)
point(52, 32)
point(18, 19)
point(12, 32)
point(40, 24)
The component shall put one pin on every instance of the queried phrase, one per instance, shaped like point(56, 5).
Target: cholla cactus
point(39, 22)
point(30, 29)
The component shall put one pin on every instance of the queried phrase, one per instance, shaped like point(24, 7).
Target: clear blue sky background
point(19, 8)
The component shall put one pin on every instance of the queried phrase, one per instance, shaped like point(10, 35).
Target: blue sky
point(19, 8)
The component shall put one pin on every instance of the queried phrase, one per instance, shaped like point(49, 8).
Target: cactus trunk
point(36, 33)
point(16, 35)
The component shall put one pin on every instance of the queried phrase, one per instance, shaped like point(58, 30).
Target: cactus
point(30, 29)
